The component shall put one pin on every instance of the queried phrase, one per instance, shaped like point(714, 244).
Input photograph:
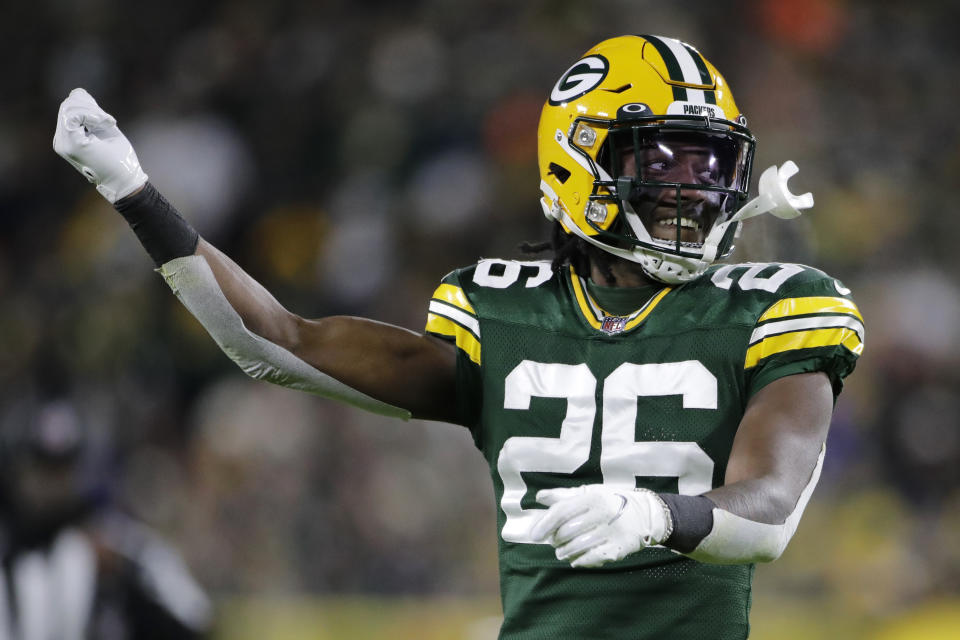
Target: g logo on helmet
point(584, 76)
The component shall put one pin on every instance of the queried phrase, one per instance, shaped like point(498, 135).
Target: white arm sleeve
point(194, 284)
point(737, 540)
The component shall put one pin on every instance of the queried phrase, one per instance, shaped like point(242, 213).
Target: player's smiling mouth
point(686, 223)
point(665, 228)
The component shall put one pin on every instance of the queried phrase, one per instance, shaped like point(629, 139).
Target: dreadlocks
point(573, 250)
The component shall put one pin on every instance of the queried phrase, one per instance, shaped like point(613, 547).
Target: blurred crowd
point(349, 156)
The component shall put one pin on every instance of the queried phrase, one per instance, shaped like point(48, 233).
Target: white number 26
point(621, 457)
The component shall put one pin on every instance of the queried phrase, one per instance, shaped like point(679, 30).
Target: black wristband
point(160, 228)
point(692, 520)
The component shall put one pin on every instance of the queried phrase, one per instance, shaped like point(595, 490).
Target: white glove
point(594, 524)
point(88, 138)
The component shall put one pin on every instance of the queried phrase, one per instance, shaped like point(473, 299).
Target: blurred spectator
point(73, 567)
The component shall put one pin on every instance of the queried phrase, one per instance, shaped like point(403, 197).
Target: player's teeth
point(684, 222)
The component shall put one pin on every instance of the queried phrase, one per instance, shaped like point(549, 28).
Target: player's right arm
point(394, 365)
point(373, 365)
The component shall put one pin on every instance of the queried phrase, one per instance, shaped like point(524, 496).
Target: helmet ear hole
point(559, 172)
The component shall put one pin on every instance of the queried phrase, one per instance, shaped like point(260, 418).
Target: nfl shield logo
point(613, 324)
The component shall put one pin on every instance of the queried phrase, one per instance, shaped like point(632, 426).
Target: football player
point(654, 422)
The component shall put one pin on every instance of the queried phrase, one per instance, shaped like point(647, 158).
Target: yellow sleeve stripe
point(455, 296)
point(767, 347)
point(466, 341)
point(800, 306)
point(465, 320)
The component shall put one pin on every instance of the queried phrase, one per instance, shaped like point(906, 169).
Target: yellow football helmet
point(643, 153)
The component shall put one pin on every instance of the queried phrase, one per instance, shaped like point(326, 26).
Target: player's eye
point(656, 166)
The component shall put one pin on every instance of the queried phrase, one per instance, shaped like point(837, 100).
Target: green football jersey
point(558, 393)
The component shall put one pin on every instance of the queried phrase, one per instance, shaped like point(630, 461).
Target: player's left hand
point(594, 524)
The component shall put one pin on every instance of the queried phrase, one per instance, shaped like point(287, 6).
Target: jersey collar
point(605, 322)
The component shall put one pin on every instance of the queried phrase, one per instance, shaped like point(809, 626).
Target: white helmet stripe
point(691, 73)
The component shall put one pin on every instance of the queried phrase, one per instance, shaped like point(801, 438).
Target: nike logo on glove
point(623, 505)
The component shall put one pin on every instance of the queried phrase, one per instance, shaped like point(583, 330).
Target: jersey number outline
point(622, 458)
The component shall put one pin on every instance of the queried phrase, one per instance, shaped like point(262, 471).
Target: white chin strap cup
point(775, 197)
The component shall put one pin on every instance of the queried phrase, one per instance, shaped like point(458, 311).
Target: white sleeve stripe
point(801, 324)
point(460, 317)
point(450, 305)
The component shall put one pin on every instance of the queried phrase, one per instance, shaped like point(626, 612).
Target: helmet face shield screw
point(596, 212)
point(585, 136)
